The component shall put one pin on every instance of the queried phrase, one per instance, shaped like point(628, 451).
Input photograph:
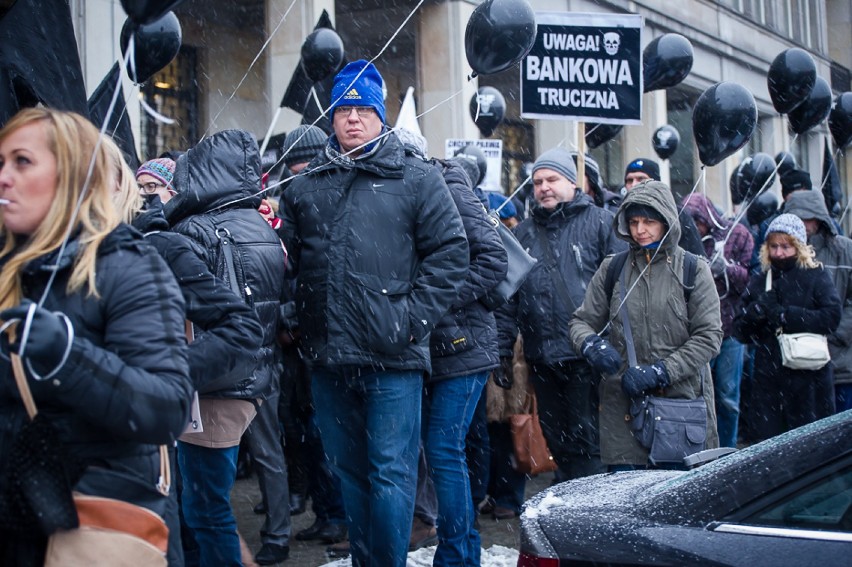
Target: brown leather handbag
point(111, 532)
point(531, 453)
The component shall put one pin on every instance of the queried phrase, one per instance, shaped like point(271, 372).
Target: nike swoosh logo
point(378, 184)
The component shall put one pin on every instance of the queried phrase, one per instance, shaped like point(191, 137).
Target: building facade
point(238, 57)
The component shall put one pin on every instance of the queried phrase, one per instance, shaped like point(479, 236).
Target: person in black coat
point(104, 350)
point(217, 186)
point(570, 237)
point(380, 253)
point(801, 299)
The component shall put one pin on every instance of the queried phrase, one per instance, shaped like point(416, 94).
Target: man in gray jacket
point(835, 253)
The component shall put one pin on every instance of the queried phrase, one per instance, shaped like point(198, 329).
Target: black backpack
point(690, 267)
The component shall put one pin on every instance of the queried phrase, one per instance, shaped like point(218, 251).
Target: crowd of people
point(331, 319)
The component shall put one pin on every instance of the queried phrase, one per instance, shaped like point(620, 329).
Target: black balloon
point(498, 35)
point(790, 79)
point(723, 121)
point(666, 140)
point(813, 110)
point(492, 109)
point(156, 44)
point(762, 208)
point(322, 54)
point(755, 173)
point(785, 162)
point(737, 194)
point(597, 134)
point(840, 120)
point(666, 61)
point(147, 11)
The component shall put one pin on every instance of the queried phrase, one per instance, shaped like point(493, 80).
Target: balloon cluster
point(797, 91)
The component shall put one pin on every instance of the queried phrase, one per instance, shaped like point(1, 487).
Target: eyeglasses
point(363, 111)
point(149, 188)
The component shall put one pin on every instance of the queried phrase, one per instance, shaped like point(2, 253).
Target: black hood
point(221, 169)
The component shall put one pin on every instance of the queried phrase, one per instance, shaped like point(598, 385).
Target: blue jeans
point(727, 370)
point(447, 413)
point(208, 476)
point(369, 421)
point(478, 449)
point(844, 396)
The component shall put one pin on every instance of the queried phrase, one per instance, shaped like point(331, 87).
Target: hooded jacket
point(125, 387)
point(380, 253)
point(465, 340)
point(580, 237)
point(685, 337)
point(737, 254)
point(218, 184)
point(835, 253)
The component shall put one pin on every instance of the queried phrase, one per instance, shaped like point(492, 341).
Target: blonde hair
point(73, 141)
point(126, 196)
point(805, 253)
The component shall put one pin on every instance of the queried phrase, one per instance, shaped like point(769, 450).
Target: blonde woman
point(104, 351)
point(802, 299)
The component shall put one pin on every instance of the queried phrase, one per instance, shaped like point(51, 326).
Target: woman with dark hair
point(676, 326)
point(97, 321)
point(793, 294)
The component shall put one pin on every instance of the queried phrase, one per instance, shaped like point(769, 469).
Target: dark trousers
point(567, 394)
point(506, 485)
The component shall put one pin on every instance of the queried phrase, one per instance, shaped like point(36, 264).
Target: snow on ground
point(494, 556)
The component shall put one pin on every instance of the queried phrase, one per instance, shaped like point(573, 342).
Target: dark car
point(785, 501)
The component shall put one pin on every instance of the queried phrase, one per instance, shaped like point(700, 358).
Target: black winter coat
point(218, 184)
point(227, 331)
point(380, 252)
point(125, 388)
point(580, 236)
point(465, 340)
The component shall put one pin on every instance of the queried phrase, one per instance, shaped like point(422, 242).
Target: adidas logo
point(352, 94)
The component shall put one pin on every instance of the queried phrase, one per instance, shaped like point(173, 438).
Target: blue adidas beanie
point(366, 90)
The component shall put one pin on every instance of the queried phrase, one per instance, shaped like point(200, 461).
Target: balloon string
point(72, 222)
point(251, 65)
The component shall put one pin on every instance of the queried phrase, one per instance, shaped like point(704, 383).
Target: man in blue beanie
point(570, 236)
point(380, 254)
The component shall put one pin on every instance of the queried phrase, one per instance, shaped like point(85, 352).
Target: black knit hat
point(312, 141)
point(647, 166)
point(795, 180)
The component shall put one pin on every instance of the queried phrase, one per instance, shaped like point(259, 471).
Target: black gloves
point(638, 379)
point(151, 219)
point(504, 374)
point(601, 354)
point(43, 338)
point(771, 308)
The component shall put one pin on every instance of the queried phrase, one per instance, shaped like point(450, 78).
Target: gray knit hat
point(312, 141)
point(558, 159)
point(789, 224)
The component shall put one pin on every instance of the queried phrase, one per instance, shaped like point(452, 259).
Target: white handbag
point(801, 351)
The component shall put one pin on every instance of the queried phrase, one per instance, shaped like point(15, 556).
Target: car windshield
point(705, 472)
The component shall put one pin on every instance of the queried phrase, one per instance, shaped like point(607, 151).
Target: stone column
point(284, 51)
point(442, 72)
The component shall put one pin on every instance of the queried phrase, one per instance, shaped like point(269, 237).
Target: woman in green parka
point(676, 332)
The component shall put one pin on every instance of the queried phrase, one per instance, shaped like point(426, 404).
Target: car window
point(824, 505)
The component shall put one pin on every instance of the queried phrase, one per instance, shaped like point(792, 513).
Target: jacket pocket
point(450, 338)
point(380, 312)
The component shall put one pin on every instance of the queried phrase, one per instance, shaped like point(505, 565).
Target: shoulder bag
point(670, 428)
point(531, 455)
point(520, 264)
point(801, 351)
point(109, 531)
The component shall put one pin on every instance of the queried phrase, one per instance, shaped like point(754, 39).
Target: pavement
point(311, 554)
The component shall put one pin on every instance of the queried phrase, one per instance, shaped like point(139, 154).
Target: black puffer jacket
point(218, 183)
point(227, 331)
point(465, 340)
point(125, 387)
point(581, 236)
point(380, 252)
